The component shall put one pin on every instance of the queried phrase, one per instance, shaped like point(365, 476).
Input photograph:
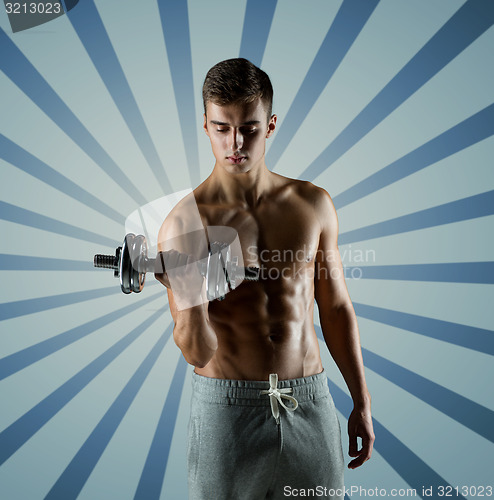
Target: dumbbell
point(131, 263)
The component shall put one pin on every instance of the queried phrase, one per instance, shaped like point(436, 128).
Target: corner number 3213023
point(33, 8)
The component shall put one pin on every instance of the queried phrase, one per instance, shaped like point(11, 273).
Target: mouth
point(236, 160)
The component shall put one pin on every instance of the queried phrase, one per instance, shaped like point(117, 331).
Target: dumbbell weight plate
point(138, 255)
point(233, 275)
point(125, 265)
point(216, 284)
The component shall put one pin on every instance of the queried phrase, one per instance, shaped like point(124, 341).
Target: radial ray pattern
point(388, 105)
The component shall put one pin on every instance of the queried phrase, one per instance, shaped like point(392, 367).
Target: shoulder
point(313, 199)
point(304, 189)
point(317, 197)
point(310, 195)
point(315, 194)
point(322, 205)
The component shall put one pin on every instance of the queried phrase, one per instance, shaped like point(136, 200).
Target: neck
point(240, 188)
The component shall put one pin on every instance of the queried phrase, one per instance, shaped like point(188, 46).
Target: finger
point(159, 264)
point(363, 455)
point(369, 445)
point(183, 259)
point(357, 462)
point(177, 259)
point(366, 451)
point(171, 259)
point(352, 444)
point(163, 279)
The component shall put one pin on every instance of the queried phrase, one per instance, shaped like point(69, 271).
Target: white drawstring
point(276, 394)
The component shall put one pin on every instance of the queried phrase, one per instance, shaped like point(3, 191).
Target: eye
point(249, 130)
point(222, 130)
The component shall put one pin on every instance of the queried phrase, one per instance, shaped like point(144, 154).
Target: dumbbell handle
point(106, 261)
point(111, 262)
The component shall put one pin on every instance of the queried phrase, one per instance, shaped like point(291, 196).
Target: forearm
point(340, 330)
point(194, 335)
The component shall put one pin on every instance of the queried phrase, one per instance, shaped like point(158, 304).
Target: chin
point(238, 169)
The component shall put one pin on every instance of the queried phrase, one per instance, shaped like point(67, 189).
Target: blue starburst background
point(389, 105)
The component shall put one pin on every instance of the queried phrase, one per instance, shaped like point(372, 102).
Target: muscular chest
point(279, 238)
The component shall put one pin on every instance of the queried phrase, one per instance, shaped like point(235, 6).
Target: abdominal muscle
point(263, 329)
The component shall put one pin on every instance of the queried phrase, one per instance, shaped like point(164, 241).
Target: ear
point(205, 125)
point(271, 126)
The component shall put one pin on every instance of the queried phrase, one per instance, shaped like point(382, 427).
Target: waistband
point(253, 392)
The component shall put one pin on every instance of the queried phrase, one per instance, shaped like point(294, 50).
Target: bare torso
point(267, 326)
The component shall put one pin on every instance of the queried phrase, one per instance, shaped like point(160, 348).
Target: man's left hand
point(360, 425)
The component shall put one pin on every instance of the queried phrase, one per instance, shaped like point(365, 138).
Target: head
point(238, 98)
point(237, 81)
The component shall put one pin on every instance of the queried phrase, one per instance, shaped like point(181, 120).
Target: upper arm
point(329, 281)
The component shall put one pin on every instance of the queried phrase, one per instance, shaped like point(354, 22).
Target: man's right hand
point(180, 272)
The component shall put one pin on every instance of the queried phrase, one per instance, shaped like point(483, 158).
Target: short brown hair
point(237, 81)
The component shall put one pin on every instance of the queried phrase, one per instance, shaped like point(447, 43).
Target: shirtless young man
point(243, 443)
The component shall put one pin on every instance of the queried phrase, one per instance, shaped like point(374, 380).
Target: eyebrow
point(251, 122)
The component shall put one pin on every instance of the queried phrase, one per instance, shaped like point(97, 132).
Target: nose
point(237, 139)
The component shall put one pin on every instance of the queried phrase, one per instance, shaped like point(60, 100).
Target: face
point(238, 134)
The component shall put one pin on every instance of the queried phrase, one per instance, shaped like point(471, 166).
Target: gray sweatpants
point(256, 440)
